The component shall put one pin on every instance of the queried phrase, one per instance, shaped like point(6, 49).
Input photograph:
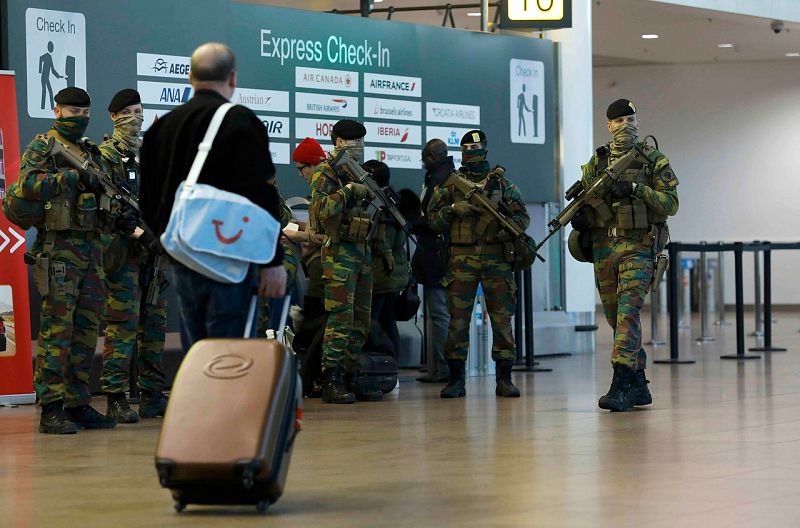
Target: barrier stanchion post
point(530, 364)
point(758, 332)
point(672, 302)
point(737, 264)
point(655, 313)
point(704, 337)
point(518, 317)
point(685, 310)
point(720, 290)
point(767, 305)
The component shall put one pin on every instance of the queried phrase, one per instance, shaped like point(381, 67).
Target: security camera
point(776, 26)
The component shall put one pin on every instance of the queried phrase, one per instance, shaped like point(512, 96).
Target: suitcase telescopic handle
point(284, 314)
point(251, 314)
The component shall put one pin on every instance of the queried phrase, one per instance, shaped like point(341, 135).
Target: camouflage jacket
point(122, 165)
point(465, 231)
point(39, 176)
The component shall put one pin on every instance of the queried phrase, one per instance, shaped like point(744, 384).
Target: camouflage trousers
point(70, 315)
point(464, 272)
point(347, 284)
point(623, 271)
point(291, 260)
point(132, 325)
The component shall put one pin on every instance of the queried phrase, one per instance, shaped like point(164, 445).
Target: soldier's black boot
point(641, 394)
point(621, 394)
point(119, 409)
point(505, 387)
point(455, 386)
point(333, 389)
point(54, 420)
point(362, 390)
point(152, 404)
point(87, 417)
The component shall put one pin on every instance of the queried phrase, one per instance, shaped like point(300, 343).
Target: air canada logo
point(227, 366)
point(348, 81)
point(160, 65)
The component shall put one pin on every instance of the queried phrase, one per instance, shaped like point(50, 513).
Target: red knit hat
point(309, 151)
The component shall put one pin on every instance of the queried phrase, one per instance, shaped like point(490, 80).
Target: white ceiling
point(686, 35)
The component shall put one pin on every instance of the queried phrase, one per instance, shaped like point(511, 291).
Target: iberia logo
point(342, 102)
point(228, 240)
point(405, 136)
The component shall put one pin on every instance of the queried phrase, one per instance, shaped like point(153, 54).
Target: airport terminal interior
point(535, 89)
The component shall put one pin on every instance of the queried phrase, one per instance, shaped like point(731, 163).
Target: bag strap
point(205, 146)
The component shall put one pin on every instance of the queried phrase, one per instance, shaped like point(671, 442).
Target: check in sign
point(536, 14)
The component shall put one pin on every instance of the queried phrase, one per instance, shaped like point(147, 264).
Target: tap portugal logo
point(228, 240)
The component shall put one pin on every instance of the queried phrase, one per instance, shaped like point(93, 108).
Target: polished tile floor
point(720, 446)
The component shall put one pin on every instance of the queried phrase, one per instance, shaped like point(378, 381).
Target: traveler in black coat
point(239, 162)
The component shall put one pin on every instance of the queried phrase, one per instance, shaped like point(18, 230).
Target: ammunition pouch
point(631, 216)
point(86, 211)
point(661, 266)
point(357, 230)
point(477, 249)
point(41, 273)
point(58, 214)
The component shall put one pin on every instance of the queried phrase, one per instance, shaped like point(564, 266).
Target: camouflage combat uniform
point(627, 233)
point(346, 267)
point(70, 237)
point(479, 253)
point(132, 323)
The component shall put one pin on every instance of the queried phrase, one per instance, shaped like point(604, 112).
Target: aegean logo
point(161, 65)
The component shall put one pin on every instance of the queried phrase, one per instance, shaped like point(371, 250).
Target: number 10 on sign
point(535, 9)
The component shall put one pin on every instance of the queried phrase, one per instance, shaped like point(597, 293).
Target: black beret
point(124, 98)
point(620, 108)
point(473, 136)
point(349, 129)
point(73, 96)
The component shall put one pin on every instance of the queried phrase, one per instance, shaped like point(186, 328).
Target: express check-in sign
point(536, 14)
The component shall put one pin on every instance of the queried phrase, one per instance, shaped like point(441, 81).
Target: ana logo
point(228, 240)
point(452, 139)
point(175, 95)
point(342, 102)
point(348, 81)
point(160, 65)
point(227, 366)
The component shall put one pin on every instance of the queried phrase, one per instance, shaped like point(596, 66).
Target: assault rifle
point(382, 198)
point(524, 251)
point(596, 191)
point(109, 193)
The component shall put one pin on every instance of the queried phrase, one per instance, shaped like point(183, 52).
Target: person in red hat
point(307, 156)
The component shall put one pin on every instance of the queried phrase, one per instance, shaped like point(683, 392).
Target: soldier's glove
point(359, 191)
point(149, 242)
point(89, 180)
point(126, 223)
point(503, 236)
point(464, 208)
point(622, 189)
point(388, 262)
point(580, 222)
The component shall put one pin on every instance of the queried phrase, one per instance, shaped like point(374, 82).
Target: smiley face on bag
point(228, 240)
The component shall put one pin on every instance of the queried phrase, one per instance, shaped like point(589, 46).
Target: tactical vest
point(355, 224)
point(472, 230)
point(630, 212)
point(124, 166)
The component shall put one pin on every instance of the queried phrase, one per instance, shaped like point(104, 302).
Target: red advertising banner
point(16, 375)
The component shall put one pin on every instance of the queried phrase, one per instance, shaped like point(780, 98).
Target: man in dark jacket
point(239, 162)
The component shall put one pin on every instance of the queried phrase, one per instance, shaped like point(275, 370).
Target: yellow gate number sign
point(536, 9)
point(536, 13)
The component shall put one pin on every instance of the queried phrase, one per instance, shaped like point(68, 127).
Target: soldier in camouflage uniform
point(478, 254)
point(336, 210)
point(68, 270)
point(133, 321)
point(628, 231)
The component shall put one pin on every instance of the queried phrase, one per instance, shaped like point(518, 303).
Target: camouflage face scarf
point(624, 138)
point(126, 131)
point(355, 151)
point(71, 128)
point(475, 160)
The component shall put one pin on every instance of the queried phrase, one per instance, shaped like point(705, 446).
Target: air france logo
point(228, 240)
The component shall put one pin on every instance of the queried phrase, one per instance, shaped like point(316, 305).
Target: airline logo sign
point(277, 127)
point(392, 85)
point(326, 104)
point(162, 93)
point(319, 129)
point(451, 136)
point(151, 115)
point(279, 153)
point(453, 113)
point(394, 133)
point(261, 100)
point(396, 158)
point(392, 109)
point(157, 65)
point(322, 79)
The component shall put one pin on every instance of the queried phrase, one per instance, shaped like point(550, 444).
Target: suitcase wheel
point(180, 506)
point(262, 505)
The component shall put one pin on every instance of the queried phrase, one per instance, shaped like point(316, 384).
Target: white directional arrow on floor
point(6, 240)
point(20, 240)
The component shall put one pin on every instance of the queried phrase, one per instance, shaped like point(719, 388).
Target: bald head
point(213, 67)
point(434, 152)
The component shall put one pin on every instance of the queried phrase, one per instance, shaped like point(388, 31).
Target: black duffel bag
point(406, 303)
